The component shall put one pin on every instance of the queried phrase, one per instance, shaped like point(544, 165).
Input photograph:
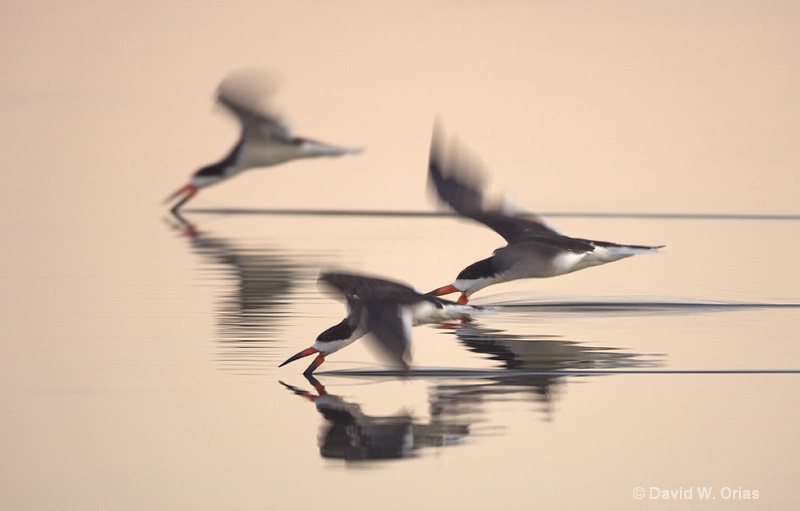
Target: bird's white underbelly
point(265, 155)
point(427, 312)
point(562, 263)
point(566, 262)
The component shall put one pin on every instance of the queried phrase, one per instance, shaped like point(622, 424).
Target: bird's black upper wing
point(459, 182)
point(245, 94)
point(390, 324)
point(368, 288)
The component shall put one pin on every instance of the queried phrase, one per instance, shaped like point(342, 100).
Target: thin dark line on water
point(444, 214)
point(513, 374)
point(583, 306)
point(319, 212)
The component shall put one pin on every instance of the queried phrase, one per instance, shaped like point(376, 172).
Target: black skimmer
point(385, 309)
point(266, 139)
point(534, 248)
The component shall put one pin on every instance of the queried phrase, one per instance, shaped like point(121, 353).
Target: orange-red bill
point(188, 189)
point(306, 352)
point(446, 290)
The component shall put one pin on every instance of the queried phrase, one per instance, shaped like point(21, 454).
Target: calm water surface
point(139, 356)
point(156, 385)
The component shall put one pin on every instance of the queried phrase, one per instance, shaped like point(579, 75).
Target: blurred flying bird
point(385, 309)
point(534, 248)
point(266, 138)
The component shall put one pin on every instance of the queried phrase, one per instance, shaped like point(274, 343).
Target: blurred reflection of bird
point(385, 309)
point(543, 353)
point(266, 139)
point(257, 285)
point(352, 435)
point(533, 368)
point(534, 250)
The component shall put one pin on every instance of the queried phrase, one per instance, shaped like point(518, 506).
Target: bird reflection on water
point(531, 370)
point(253, 310)
point(352, 435)
point(532, 366)
point(542, 353)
